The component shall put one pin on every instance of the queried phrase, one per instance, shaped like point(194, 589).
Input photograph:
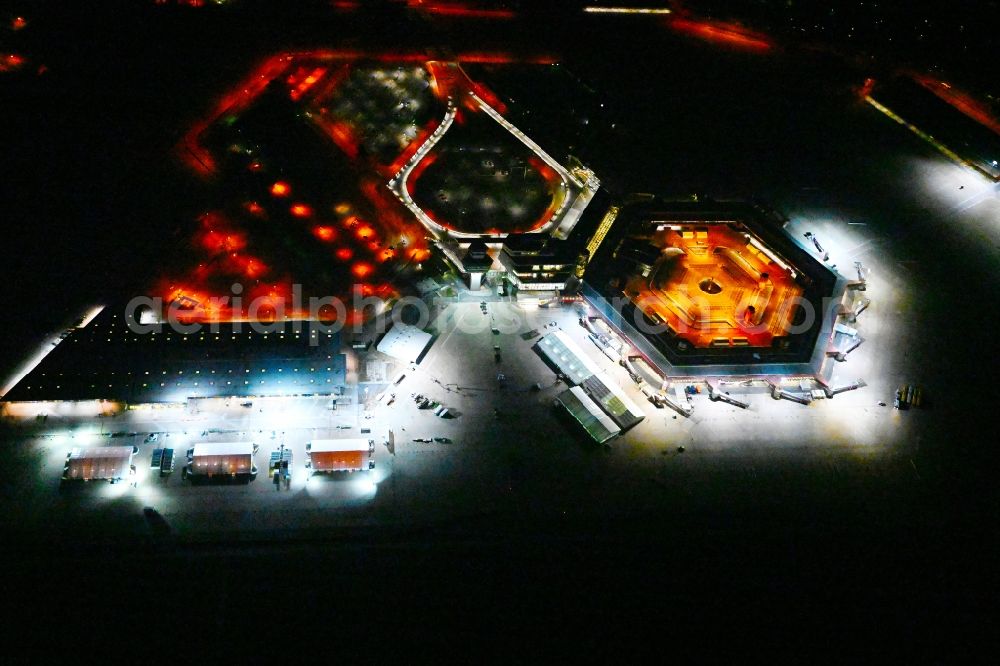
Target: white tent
point(405, 342)
point(102, 462)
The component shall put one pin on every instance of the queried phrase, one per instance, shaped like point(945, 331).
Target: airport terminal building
point(717, 288)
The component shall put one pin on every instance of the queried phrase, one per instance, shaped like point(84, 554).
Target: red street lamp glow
point(361, 269)
point(324, 233)
point(459, 10)
point(280, 189)
point(10, 62)
point(301, 210)
point(344, 253)
point(722, 33)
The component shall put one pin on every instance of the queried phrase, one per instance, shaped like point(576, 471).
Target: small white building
point(405, 342)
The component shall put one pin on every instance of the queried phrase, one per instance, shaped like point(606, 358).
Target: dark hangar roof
point(108, 361)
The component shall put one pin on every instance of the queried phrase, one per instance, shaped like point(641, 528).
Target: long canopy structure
point(567, 356)
point(597, 424)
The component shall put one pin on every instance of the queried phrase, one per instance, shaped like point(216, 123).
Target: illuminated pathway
point(940, 147)
point(398, 183)
point(626, 10)
point(569, 182)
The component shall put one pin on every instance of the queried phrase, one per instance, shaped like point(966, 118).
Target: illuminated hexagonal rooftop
point(712, 284)
point(714, 287)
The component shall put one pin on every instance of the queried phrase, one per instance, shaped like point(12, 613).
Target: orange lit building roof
point(713, 287)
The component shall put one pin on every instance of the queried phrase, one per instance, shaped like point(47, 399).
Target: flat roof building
point(108, 360)
point(405, 342)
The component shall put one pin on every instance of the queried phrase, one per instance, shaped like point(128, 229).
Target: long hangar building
point(108, 361)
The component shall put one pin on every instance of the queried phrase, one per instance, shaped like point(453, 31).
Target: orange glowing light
point(342, 209)
point(308, 82)
point(18, 23)
point(459, 10)
point(10, 62)
point(191, 150)
point(362, 269)
point(961, 101)
point(248, 267)
point(504, 58)
point(217, 239)
point(867, 88)
point(324, 233)
point(344, 253)
point(719, 290)
point(300, 210)
point(280, 189)
point(340, 133)
point(722, 33)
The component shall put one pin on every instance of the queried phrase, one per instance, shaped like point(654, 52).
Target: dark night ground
point(90, 199)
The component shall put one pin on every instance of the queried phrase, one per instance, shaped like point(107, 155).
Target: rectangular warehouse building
point(108, 360)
